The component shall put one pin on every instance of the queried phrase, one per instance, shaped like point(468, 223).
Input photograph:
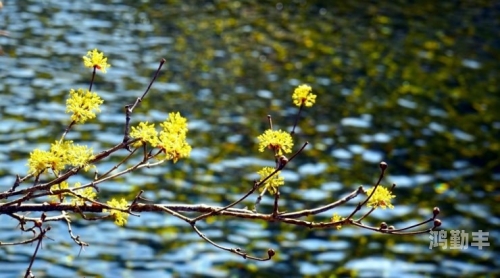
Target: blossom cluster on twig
point(50, 170)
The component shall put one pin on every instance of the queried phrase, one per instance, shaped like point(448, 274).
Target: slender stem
point(297, 119)
point(92, 80)
point(415, 225)
point(383, 167)
point(153, 80)
point(275, 208)
point(76, 239)
point(130, 108)
point(366, 215)
point(67, 130)
point(172, 212)
point(17, 182)
point(259, 199)
point(118, 164)
point(237, 251)
point(256, 185)
point(40, 238)
point(297, 153)
point(319, 210)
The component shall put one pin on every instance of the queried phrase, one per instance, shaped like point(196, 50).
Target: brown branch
point(76, 239)
point(17, 182)
point(118, 164)
point(92, 80)
point(68, 128)
point(383, 167)
point(41, 236)
point(275, 207)
point(130, 108)
point(238, 251)
point(256, 185)
point(259, 198)
point(296, 119)
point(44, 186)
point(23, 218)
point(308, 212)
point(69, 173)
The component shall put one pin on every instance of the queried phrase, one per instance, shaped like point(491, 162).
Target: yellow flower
point(174, 146)
point(87, 192)
point(337, 218)
point(381, 198)
point(279, 141)
point(82, 104)
point(75, 155)
point(175, 124)
point(147, 134)
point(172, 138)
point(273, 182)
point(54, 159)
point(96, 59)
point(60, 155)
point(120, 217)
point(40, 160)
point(303, 96)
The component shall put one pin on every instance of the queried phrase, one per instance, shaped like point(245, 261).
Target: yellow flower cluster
point(337, 218)
point(147, 134)
point(60, 155)
point(82, 104)
point(381, 198)
point(119, 216)
point(87, 192)
point(96, 59)
point(302, 96)
point(277, 140)
point(273, 182)
point(171, 139)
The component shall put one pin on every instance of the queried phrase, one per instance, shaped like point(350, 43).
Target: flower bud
point(383, 165)
point(436, 211)
point(270, 252)
point(437, 222)
point(383, 226)
point(282, 161)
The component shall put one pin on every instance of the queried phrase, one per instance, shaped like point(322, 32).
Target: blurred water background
point(412, 83)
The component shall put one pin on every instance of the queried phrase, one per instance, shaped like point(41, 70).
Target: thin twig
point(256, 185)
point(322, 209)
point(118, 164)
point(41, 235)
point(76, 239)
point(383, 167)
point(296, 119)
point(92, 80)
point(130, 108)
point(275, 208)
point(238, 251)
point(67, 130)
